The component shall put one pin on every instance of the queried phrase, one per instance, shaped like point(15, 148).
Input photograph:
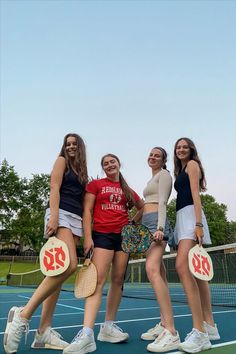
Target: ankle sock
point(88, 331)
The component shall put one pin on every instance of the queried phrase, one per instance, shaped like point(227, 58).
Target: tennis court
point(138, 310)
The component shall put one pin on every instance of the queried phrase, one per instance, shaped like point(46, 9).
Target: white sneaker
point(81, 344)
point(152, 333)
point(164, 342)
point(112, 334)
point(15, 328)
point(212, 331)
point(49, 339)
point(195, 342)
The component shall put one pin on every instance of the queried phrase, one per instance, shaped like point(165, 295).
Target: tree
point(29, 224)
point(10, 194)
point(22, 206)
point(221, 230)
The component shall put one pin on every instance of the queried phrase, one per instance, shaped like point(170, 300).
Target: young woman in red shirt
point(106, 206)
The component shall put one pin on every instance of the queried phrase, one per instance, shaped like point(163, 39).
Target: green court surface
point(225, 349)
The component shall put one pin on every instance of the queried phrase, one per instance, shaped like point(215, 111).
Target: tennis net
point(223, 284)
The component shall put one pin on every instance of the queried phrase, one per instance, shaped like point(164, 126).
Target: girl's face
point(111, 167)
point(71, 146)
point(182, 150)
point(155, 159)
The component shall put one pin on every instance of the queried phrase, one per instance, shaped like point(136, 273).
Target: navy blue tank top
point(184, 194)
point(71, 193)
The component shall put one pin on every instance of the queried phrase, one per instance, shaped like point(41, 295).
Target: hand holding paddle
point(86, 279)
point(200, 263)
point(54, 257)
point(136, 238)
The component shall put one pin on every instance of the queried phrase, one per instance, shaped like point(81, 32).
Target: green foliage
point(22, 206)
point(171, 213)
point(221, 230)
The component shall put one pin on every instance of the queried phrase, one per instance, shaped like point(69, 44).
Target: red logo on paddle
point(201, 264)
point(54, 258)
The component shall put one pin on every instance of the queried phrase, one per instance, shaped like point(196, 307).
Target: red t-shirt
point(110, 213)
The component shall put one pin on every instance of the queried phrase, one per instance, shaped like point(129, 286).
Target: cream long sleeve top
point(158, 190)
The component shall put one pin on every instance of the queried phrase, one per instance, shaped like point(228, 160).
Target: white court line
point(213, 346)
point(55, 314)
point(129, 309)
point(102, 311)
point(127, 321)
point(71, 307)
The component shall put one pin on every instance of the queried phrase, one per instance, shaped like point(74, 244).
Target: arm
point(164, 190)
point(54, 200)
point(139, 206)
point(194, 173)
point(89, 201)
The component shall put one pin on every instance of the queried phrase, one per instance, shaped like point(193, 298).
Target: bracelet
point(199, 224)
point(160, 228)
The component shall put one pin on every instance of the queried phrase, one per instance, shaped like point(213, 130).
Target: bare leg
point(50, 303)
point(48, 310)
point(189, 283)
point(102, 259)
point(51, 284)
point(155, 272)
point(119, 265)
point(205, 296)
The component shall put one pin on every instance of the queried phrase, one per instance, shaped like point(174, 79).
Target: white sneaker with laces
point(49, 339)
point(112, 334)
point(164, 342)
point(16, 327)
point(195, 342)
point(81, 344)
point(152, 333)
point(212, 331)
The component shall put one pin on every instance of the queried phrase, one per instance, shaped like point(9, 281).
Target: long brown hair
point(129, 195)
point(193, 156)
point(79, 163)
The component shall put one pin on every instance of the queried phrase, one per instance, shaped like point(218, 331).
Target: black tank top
point(71, 194)
point(184, 194)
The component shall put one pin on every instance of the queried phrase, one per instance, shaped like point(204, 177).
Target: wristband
point(199, 224)
point(160, 228)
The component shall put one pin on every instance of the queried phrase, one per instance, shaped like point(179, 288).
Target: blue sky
point(126, 76)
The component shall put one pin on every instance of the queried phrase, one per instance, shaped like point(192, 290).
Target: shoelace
point(78, 336)
point(24, 327)
point(154, 328)
point(55, 333)
point(193, 334)
point(159, 338)
point(114, 326)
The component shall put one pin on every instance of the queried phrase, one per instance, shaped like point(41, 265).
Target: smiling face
point(155, 159)
point(71, 146)
point(183, 151)
point(111, 167)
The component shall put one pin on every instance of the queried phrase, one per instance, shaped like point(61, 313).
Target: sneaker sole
point(87, 349)
point(143, 337)
point(163, 350)
point(8, 326)
point(197, 350)
point(47, 346)
point(103, 338)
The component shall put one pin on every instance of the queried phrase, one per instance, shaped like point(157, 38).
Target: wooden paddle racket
point(86, 279)
point(136, 238)
point(54, 257)
point(200, 263)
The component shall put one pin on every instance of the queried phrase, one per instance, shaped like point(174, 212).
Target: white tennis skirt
point(66, 219)
point(185, 225)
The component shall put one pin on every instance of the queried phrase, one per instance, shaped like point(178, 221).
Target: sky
point(126, 76)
